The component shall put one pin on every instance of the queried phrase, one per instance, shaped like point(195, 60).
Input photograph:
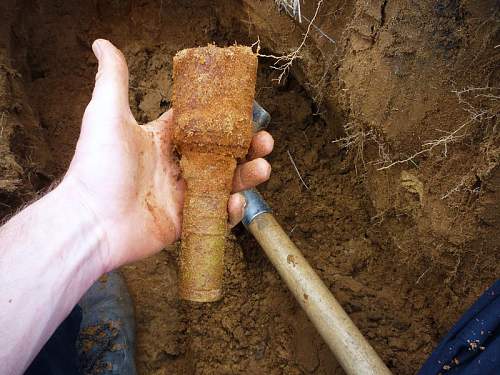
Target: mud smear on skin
point(387, 245)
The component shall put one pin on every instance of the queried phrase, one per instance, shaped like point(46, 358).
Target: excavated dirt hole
point(258, 328)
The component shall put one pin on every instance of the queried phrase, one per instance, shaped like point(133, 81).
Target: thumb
point(161, 124)
point(111, 82)
point(161, 129)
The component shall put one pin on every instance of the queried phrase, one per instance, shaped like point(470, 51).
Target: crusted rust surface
point(213, 93)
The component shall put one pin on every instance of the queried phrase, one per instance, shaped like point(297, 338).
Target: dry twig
point(297, 170)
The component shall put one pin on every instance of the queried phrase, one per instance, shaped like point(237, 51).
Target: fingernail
point(96, 48)
point(241, 211)
point(242, 198)
point(264, 169)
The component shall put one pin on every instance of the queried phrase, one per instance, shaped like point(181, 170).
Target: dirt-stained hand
point(126, 174)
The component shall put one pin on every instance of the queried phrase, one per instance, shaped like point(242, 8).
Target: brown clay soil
point(405, 249)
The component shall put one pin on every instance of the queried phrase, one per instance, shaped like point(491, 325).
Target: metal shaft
point(351, 349)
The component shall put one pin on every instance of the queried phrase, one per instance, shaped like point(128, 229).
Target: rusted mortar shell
point(213, 90)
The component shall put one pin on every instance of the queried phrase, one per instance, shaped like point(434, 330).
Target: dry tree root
point(213, 91)
point(355, 139)
point(479, 113)
point(482, 104)
point(284, 63)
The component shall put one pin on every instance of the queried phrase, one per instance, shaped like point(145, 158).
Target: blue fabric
point(472, 346)
point(107, 332)
point(98, 337)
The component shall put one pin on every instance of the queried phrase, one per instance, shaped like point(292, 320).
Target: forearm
point(50, 254)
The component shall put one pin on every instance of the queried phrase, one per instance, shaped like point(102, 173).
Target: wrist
point(51, 253)
point(74, 200)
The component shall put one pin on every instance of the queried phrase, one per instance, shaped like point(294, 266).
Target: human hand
point(126, 175)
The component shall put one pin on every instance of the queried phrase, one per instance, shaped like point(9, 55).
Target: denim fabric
point(472, 346)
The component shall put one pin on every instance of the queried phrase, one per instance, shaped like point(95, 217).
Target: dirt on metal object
point(213, 91)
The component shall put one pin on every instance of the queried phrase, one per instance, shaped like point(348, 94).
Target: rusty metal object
point(213, 90)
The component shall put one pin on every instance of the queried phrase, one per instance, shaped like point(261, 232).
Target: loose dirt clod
point(213, 93)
